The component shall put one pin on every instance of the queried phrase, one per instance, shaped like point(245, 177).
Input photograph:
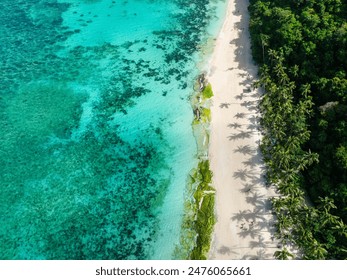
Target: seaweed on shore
point(199, 219)
point(207, 92)
point(204, 207)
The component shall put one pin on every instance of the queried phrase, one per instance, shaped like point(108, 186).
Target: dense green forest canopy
point(301, 46)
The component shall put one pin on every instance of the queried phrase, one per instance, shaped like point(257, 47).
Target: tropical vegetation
point(301, 48)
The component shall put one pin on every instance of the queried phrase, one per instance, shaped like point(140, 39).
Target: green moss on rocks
point(204, 205)
point(199, 218)
point(206, 115)
point(207, 92)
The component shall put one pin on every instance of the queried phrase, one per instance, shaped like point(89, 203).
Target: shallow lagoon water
point(96, 143)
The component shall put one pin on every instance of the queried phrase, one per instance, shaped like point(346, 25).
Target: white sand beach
point(244, 228)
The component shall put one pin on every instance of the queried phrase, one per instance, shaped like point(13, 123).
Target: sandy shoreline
point(244, 228)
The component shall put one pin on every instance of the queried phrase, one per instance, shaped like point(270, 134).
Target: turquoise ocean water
point(96, 142)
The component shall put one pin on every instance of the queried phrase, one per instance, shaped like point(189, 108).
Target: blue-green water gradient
point(96, 142)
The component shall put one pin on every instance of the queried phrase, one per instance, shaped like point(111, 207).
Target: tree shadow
point(243, 47)
point(245, 150)
point(234, 125)
point(242, 75)
point(252, 127)
point(247, 83)
point(269, 223)
point(240, 115)
point(240, 174)
point(258, 180)
point(254, 199)
point(224, 105)
point(250, 163)
point(254, 119)
point(256, 95)
point(236, 12)
point(263, 224)
point(253, 108)
point(224, 250)
point(248, 216)
point(238, 25)
point(247, 103)
point(256, 244)
point(255, 160)
point(263, 206)
point(242, 215)
point(260, 255)
point(239, 96)
point(243, 174)
point(247, 188)
point(241, 135)
point(233, 42)
point(251, 232)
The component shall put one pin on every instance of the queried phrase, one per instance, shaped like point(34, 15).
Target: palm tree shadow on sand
point(224, 105)
point(255, 160)
point(234, 125)
point(260, 255)
point(241, 135)
point(247, 188)
point(251, 232)
point(224, 250)
point(263, 205)
point(255, 199)
point(260, 243)
point(245, 150)
point(240, 115)
point(243, 174)
point(248, 216)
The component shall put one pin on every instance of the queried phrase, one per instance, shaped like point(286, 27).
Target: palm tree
point(316, 251)
point(284, 222)
point(304, 235)
point(278, 204)
point(264, 42)
point(341, 228)
point(306, 89)
point(326, 204)
point(284, 254)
